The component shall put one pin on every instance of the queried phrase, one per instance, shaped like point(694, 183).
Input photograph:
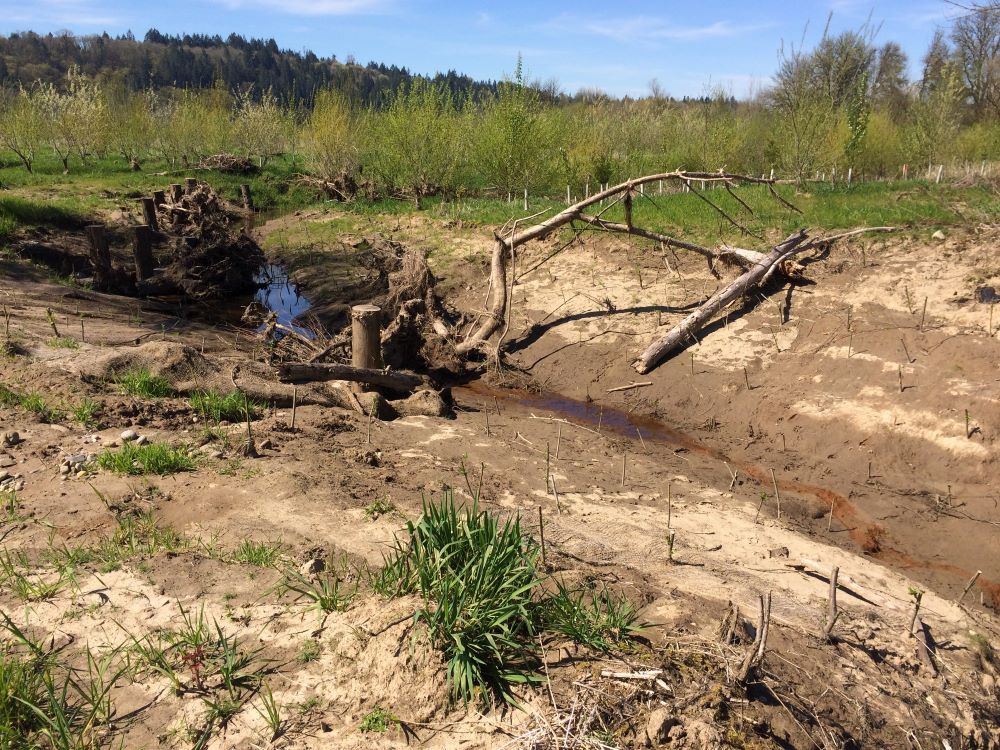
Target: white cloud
point(68, 13)
point(652, 29)
point(312, 7)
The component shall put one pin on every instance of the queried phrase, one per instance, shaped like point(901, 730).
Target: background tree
point(513, 142)
point(416, 144)
point(889, 88)
point(130, 126)
point(330, 138)
point(22, 123)
point(976, 35)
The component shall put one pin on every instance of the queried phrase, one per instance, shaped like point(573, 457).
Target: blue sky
point(688, 47)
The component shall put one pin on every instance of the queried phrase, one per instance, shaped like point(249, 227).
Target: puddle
point(279, 295)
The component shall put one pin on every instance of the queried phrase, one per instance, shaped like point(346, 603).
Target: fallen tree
point(757, 267)
point(307, 372)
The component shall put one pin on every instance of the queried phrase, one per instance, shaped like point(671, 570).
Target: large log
point(685, 331)
point(307, 372)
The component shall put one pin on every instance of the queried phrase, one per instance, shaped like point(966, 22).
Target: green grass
point(18, 212)
point(135, 537)
point(477, 577)
point(33, 402)
point(141, 383)
point(64, 342)
point(151, 458)
point(378, 720)
point(260, 554)
point(485, 600)
point(229, 407)
point(328, 592)
point(86, 412)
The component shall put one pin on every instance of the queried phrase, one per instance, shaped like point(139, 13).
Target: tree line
point(845, 104)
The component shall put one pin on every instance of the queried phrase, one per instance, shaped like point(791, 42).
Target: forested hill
point(200, 61)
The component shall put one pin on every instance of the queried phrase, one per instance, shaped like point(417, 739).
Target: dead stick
point(496, 403)
point(671, 534)
point(746, 378)
point(624, 457)
point(541, 534)
point(832, 613)
point(295, 404)
point(629, 387)
point(829, 523)
point(558, 439)
point(917, 596)
point(923, 315)
point(900, 378)
point(670, 506)
point(548, 464)
point(777, 495)
point(970, 584)
point(906, 351)
point(643, 442)
point(555, 491)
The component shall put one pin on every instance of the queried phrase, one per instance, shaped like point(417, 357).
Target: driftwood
point(755, 655)
point(685, 331)
point(307, 372)
point(762, 268)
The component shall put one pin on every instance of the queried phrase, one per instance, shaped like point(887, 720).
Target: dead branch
point(306, 372)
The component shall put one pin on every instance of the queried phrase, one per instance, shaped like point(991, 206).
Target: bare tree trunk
point(685, 331)
point(498, 309)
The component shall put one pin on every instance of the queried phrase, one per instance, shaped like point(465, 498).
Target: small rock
point(194, 420)
point(142, 440)
point(113, 444)
point(5, 475)
point(6, 461)
point(81, 474)
point(266, 445)
point(10, 439)
point(778, 552)
point(938, 235)
point(77, 459)
point(312, 567)
point(987, 295)
point(64, 469)
point(19, 485)
point(658, 726)
point(129, 435)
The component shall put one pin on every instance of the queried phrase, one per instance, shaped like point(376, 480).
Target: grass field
point(51, 199)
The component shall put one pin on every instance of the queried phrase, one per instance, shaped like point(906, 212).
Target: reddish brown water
point(864, 532)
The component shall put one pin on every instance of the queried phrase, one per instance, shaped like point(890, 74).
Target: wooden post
point(176, 191)
point(142, 250)
point(832, 611)
point(149, 213)
point(100, 254)
point(159, 197)
point(247, 198)
point(366, 337)
point(190, 185)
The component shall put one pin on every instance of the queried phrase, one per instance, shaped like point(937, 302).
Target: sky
point(690, 48)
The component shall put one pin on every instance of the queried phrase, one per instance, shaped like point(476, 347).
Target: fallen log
point(307, 372)
point(685, 331)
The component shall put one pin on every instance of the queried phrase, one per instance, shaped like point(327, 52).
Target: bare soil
point(912, 489)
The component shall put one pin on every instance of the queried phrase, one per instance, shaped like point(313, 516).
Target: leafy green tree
point(22, 124)
point(416, 143)
point(130, 125)
point(259, 126)
point(75, 115)
point(936, 118)
point(330, 137)
point(858, 114)
point(514, 145)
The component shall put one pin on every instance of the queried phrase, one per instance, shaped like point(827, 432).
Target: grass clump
point(136, 536)
point(151, 458)
point(33, 402)
point(229, 407)
point(477, 576)
point(327, 592)
point(261, 554)
point(378, 720)
point(63, 342)
point(86, 412)
point(485, 602)
point(141, 383)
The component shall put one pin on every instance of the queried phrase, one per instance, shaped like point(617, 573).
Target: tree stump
point(100, 255)
point(247, 198)
point(366, 338)
point(176, 191)
point(143, 252)
point(149, 213)
point(190, 185)
point(159, 197)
